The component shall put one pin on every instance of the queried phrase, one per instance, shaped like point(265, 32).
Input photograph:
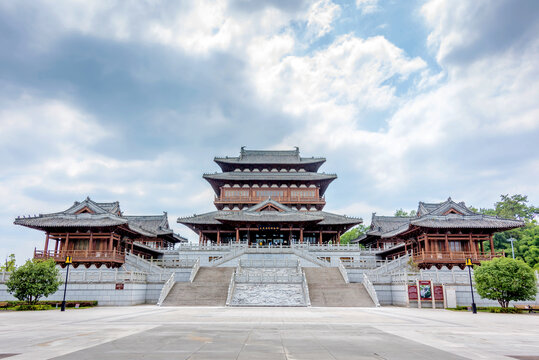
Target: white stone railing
point(397, 265)
point(194, 271)
point(231, 286)
point(334, 247)
point(310, 257)
point(343, 272)
point(305, 290)
point(96, 276)
point(269, 263)
point(369, 263)
point(141, 263)
point(174, 263)
point(234, 253)
point(208, 247)
point(269, 250)
point(166, 289)
point(370, 289)
point(267, 279)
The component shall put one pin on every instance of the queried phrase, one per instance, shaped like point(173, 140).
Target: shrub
point(33, 280)
point(505, 280)
point(27, 307)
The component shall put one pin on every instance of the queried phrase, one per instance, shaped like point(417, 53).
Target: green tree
point(33, 280)
point(404, 213)
point(527, 244)
point(10, 264)
point(353, 233)
point(505, 280)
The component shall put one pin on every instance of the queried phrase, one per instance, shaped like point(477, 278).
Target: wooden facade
point(99, 234)
point(269, 198)
point(442, 234)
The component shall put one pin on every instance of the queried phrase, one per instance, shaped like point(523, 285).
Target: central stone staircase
point(209, 288)
point(328, 288)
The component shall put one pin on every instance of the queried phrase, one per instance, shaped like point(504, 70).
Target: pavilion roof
point(257, 214)
point(291, 157)
point(100, 215)
point(436, 215)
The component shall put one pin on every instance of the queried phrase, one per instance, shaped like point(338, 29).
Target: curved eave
point(229, 164)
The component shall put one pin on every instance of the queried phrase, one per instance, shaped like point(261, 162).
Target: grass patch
point(44, 305)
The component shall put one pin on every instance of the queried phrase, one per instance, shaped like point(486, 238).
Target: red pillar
point(46, 243)
point(91, 242)
point(237, 235)
point(301, 235)
point(200, 237)
point(67, 242)
point(218, 237)
point(339, 238)
point(491, 244)
point(320, 239)
point(110, 242)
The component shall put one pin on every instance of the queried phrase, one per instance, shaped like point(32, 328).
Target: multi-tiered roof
point(268, 186)
point(281, 175)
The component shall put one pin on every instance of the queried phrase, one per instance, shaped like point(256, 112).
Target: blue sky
point(130, 101)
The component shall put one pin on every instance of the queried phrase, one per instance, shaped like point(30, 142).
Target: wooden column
point(301, 235)
point(218, 237)
point(482, 247)
point(472, 247)
point(427, 245)
point(237, 235)
point(110, 242)
point(339, 238)
point(200, 237)
point(67, 242)
point(446, 243)
point(91, 241)
point(46, 243)
point(320, 239)
point(491, 244)
point(56, 246)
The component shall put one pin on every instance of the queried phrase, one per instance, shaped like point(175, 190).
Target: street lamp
point(511, 240)
point(69, 260)
point(469, 265)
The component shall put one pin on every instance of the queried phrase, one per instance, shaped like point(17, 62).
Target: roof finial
point(87, 197)
point(449, 198)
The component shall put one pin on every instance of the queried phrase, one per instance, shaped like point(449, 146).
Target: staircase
point(209, 288)
point(328, 288)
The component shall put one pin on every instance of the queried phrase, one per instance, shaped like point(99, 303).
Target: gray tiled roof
point(430, 215)
point(105, 214)
point(270, 176)
point(441, 208)
point(67, 220)
point(269, 157)
point(253, 215)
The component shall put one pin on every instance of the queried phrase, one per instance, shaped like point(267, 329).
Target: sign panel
point(425, 290)
point(268, 228)
point(468, 262)
point(438, 292)
point(412, 292)
point(119, 286)
point(69, 259)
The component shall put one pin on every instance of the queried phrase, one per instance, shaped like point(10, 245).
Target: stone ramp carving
point(327, 288)
point(209, 288)
point(268, 295)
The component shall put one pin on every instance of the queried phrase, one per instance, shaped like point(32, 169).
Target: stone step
point(209, 288)
point(327, 288)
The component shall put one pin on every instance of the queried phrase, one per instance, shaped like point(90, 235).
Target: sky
point(130, 101)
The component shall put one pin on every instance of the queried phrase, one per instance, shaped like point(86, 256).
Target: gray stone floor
point(148, 332)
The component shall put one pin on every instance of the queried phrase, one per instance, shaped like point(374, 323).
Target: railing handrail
point(370, 289)
point(166, 289)
point(343, 272)
point(194, 270)
point(305, 287)
point(231, 286)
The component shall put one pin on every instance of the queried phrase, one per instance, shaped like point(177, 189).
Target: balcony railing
point(457, 257)
point(257, 199)
point(80, 256)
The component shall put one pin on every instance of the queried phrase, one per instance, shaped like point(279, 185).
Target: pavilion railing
point(82, 255)
point(166, 289)
point(453, 256)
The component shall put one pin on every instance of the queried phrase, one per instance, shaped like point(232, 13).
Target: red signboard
point(438, 292)
point(412, 292)
point(119, 286)
point(425, 289)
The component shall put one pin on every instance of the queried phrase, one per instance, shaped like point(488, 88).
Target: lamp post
point(69, 260)
point(511, 240)
point(469, 264)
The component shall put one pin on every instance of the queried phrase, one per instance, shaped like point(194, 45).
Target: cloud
point(367, 6)
point(321, 16)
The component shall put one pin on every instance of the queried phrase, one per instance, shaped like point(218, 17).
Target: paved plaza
point(149, 332)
